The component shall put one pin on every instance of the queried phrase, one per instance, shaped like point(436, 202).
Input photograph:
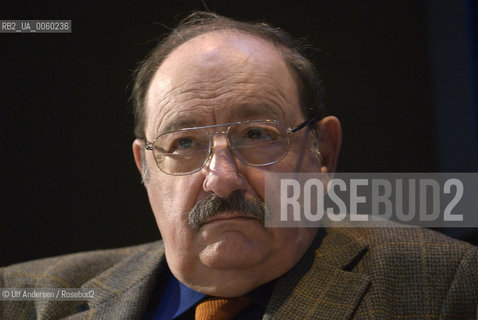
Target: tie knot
point(221, 308)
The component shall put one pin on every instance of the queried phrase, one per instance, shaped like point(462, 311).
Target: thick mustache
point(214, 205)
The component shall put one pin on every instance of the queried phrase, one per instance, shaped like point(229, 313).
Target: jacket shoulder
point(396, 238)
point(415, 272)
point(68, 271)
point(409, 248)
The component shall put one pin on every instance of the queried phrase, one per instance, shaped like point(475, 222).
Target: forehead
point(218, 77)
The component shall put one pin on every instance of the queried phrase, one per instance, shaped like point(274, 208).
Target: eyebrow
point(241, 113)
point(178, 124)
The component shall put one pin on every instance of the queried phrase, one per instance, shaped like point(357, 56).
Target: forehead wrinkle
point(215, 88)
point(166, 101)
point(159, 101)
point(270, 101)
point(234, 90)
point(248, 111)
point(175, 118)
point(233, 100)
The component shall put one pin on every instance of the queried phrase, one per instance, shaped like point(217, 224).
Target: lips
point(228, 216)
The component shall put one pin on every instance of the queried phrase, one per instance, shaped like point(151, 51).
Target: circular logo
point(5, 293)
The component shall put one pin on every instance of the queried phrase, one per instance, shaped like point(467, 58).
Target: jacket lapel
point(123, 291)
point(319, 286)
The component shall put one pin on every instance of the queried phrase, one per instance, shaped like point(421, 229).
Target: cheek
point(171, 198)
point(290, 244)
point(170, 209)
point(172, 195)
point(300, 159)
point(256, 177)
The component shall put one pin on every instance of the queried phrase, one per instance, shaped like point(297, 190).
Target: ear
point(330, 140)
point(138, 145)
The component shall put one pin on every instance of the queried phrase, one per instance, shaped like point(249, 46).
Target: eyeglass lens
point(255, 143)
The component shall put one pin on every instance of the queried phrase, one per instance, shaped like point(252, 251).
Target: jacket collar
point(321, 281)
point(123, 291)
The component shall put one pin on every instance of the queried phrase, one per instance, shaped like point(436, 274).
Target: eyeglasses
point(255, 143)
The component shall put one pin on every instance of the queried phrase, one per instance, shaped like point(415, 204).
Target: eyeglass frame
point(149, 145)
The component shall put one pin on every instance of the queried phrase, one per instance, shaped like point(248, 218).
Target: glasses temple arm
point(305, 123)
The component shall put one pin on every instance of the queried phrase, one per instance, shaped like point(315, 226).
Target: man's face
point(215, 78)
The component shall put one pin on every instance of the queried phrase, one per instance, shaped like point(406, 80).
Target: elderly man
point(218, 104)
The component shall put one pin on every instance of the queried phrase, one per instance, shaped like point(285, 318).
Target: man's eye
point(258, 134)
point(185, 143)
point(187, 146)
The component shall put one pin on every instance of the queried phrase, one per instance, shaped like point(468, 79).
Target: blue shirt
point(176, 300)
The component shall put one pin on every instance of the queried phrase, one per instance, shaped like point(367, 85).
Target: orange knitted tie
point(221, 308)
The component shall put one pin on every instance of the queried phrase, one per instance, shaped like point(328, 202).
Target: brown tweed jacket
point(391, 273)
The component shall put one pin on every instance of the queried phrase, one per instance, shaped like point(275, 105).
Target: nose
point(222, 174)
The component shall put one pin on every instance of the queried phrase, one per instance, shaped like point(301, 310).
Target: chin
point(232, 251)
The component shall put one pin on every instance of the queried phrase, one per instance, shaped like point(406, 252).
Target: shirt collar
point(187, 297)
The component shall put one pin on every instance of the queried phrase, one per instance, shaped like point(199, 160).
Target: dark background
point(401, 76)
